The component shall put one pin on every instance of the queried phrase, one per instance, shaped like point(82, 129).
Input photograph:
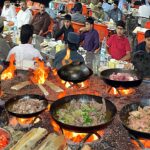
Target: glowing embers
point(81, 85)
point(23, 122)
point(78, 137)
point(121, 91)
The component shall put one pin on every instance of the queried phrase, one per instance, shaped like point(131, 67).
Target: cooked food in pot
point(4, 139)
point(81, 113)
point(24, 106)
point(122, 77)
point(140, 120)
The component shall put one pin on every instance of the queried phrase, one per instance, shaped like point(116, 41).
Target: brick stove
point(115, 135)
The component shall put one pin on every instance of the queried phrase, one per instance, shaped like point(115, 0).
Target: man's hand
point(83, 29)
point(41, 32)
point(8, 38)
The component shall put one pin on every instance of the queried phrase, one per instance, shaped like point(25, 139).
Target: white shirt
point(9, 13)
point(24, 52)
point(24, 17)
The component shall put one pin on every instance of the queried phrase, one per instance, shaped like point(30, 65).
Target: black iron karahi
point(110, 108)
point(124, 114)
point(75, 72)
point(126, 84)
point(12, 101)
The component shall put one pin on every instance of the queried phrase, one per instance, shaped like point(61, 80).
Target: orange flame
point(9, 72)
point(25, 121)
point(122, 91)
point(74, 136)
point(40, 74)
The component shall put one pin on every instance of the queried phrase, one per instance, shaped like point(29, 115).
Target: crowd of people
point(118, 45)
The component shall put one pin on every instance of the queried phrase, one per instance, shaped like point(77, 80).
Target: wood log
point(43, 89)
point(30, 139)
point(53, 86)
point(20, 85)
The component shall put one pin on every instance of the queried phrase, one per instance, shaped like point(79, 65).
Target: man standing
point(41, 21)
point(24, 16)
point(65, 29)
point(118, 45)
point(8, 11)
point(89, 36)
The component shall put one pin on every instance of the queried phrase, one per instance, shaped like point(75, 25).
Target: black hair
point(90, 20)
point(1, 29)
point(72, 46)
point(116, 2)
point(120, 23)
point(147, 34)
point(67, 17)
point(78, 7)
point(26, 33)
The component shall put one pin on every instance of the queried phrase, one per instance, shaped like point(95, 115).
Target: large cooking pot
point(124, 114)
point(110, 112)
point(75, 72)
point(126, 84)
point(12, 101)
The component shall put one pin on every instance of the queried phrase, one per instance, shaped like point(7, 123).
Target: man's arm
point(59, 33)
point(96, 42)
point(127, 57)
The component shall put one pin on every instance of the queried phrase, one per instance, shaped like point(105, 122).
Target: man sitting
point(5, 43)
point(118, 45)
point(25, 51)
point(115, 13)
point(65, 29)
point(141, 56)
point(70, 54)
point(89, 36)
point(77, 16)
point(24, 16)
point(41, 21)
point(8, 11)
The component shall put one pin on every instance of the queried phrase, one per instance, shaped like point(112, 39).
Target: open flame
point(9, 72)
point(121, 91)
point(40, 74)
point(145, 142)
point(78, 85)
point(74, 136)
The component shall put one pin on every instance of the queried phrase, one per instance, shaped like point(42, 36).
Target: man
point(25, 51)
point(118, 45)
point(115, 13)
point(106, 6)
point(5, 44)
point(77, 16)
point(144, 14)
point(141, 56)
point(70, 54)
point(41, 21)
point(24, 16)
point(65, 29)
point(8, 11)
point(89, 36)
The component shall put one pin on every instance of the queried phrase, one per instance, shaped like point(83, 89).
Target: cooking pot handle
point(75, 63)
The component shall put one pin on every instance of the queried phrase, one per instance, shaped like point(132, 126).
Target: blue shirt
point(91, 40)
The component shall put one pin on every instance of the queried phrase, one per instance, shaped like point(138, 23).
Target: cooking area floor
point(115, 135)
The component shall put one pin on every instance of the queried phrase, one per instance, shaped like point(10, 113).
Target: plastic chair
point(102, 31)
point(84, 10)
point(17, 9)
point(76, 26)
point(147, 25)
point(140, 37)
point(69, 6)
point(36, 5)
point(50, 28)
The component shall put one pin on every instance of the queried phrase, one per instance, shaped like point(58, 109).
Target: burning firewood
point(30, 139)
point(43, 89)
point(53, 86)
point(20, 85)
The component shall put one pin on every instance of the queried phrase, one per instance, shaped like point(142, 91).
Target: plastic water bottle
point(103, 51)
